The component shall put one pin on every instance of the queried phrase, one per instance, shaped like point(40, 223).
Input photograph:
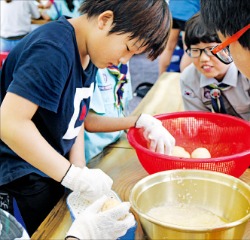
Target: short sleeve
point(34, 10)
point(42, 69)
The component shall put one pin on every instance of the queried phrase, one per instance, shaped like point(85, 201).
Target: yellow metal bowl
point(223, 195)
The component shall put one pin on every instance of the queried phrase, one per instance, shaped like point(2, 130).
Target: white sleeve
point(34, 11)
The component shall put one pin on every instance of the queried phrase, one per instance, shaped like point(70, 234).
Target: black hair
point(148, 21)
point(196, 32)
point(228, 17)
point(70, 5)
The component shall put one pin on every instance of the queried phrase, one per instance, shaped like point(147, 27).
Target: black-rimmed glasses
point(196, 52)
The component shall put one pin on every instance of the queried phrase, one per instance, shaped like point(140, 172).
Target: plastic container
point(226, 137)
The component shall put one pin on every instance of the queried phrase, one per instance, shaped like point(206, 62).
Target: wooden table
point(120, 161)
point(39, 21)
point(35, 23)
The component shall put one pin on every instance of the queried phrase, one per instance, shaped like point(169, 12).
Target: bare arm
point(45, 16)
point(98, 123)
point(77, 155)
point(21, 135)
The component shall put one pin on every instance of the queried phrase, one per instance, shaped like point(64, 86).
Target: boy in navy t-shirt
point(46, 84)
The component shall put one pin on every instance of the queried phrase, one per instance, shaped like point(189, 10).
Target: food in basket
point(180, 152)
point(223, 135)
point(200, 153)
point(197, 153)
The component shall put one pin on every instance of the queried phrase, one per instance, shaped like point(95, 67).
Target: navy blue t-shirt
point(45, 68)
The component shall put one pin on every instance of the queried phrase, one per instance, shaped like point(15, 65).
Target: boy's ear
point(105, 19)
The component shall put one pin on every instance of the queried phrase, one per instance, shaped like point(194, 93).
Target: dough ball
point(200, 153)
point(110, 203)
point(180, 152)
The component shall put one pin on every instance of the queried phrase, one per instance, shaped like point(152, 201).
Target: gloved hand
point(160, 140)
point(110, 224)
point(93, 183)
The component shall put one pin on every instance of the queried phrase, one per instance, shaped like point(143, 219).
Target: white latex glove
point(93, 183)
point(110, 224)
point(160, 140)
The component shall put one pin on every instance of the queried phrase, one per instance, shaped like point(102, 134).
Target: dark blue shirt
point(45, 68)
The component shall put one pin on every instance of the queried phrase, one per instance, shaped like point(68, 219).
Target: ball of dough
point(200, 153)
point(180, 152)
point(110, 203)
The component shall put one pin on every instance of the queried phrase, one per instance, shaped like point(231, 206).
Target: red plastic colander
point(226, 137)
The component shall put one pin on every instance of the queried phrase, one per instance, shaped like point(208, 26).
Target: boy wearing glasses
point(209, 84)
point(231, 20)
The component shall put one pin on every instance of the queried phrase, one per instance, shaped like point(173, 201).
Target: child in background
point(46, 84)
point(16, 16)
point(112, 93)
point(60, 8)
point(208, 84)
point(181, 11)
